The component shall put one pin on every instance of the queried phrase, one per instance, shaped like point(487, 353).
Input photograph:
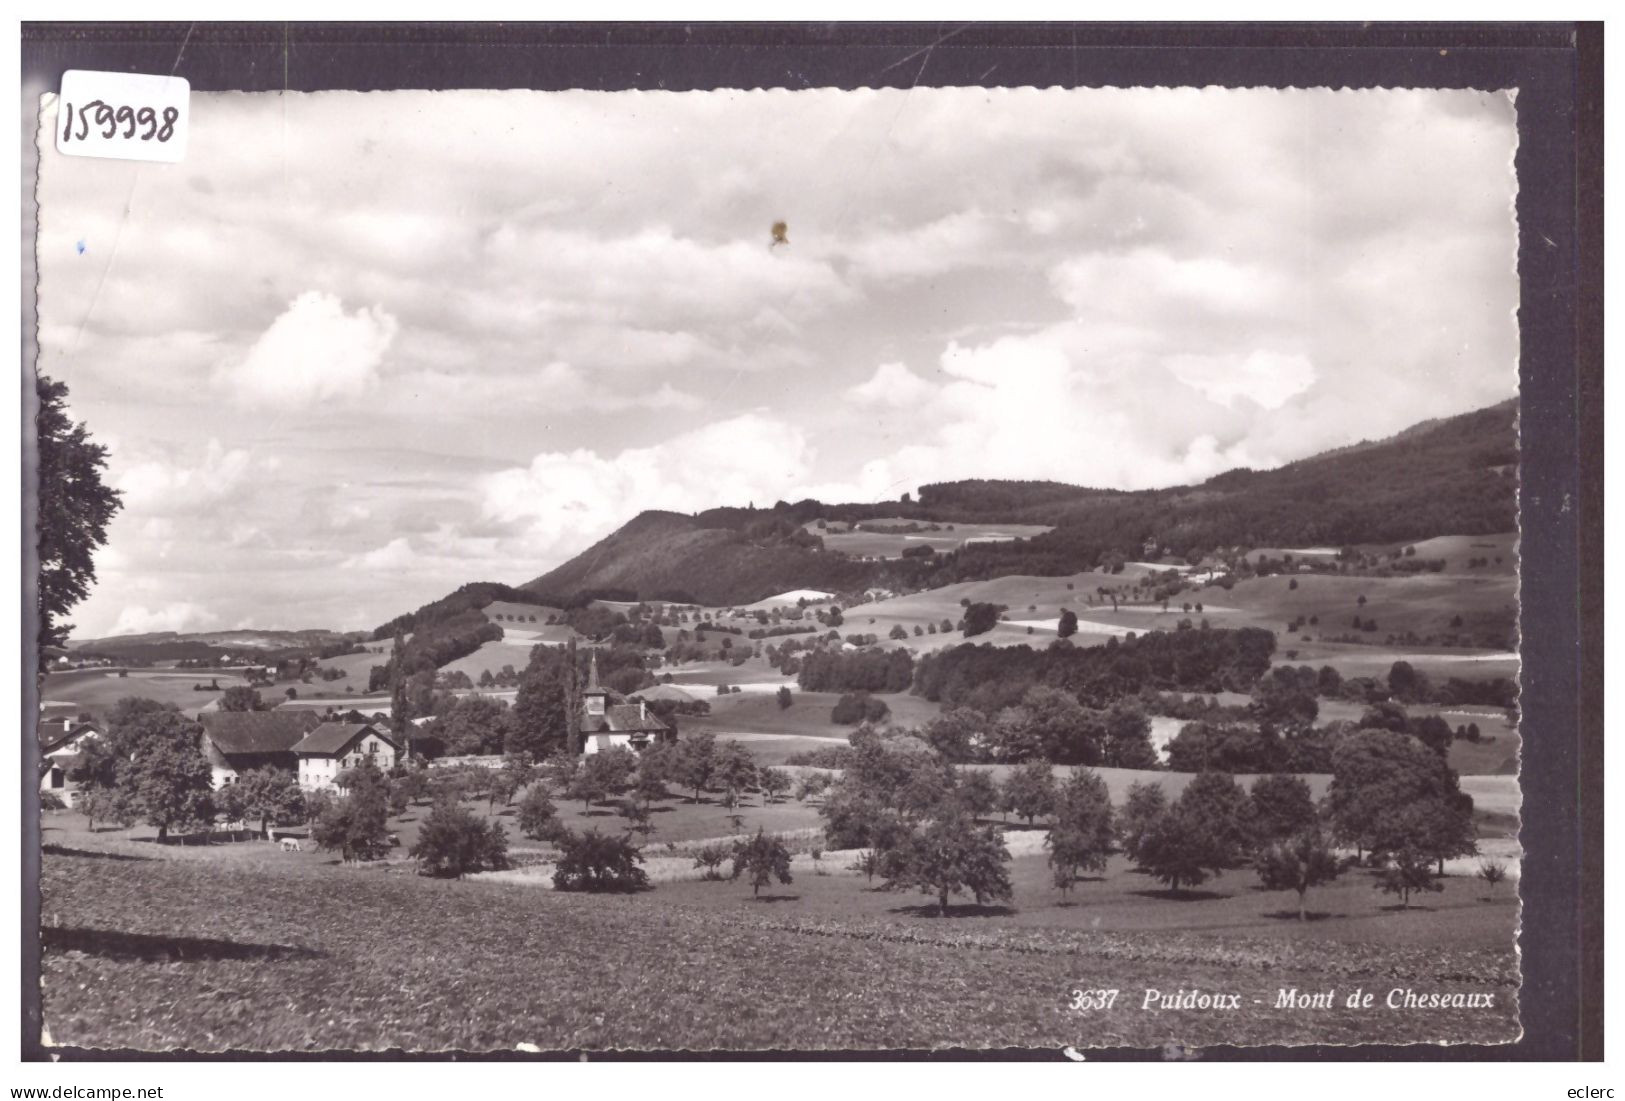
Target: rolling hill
point(1453, 476)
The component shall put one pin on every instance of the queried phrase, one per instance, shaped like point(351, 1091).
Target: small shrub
point(763, 859)
point(711, 858)
point(592, 861)
point(537, 814)
point(454, 841)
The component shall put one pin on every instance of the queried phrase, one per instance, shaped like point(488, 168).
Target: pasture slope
point(892, 544)
point(98, 691)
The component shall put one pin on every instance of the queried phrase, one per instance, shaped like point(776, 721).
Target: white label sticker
point(130, 116)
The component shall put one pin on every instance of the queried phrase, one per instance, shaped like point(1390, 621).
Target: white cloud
point(394, 555)
point(177, 616)
point(893, 385)
point(563, 501)
point(564, 387)
point(1268, 378)
point(312, 352)
point(1147, 286)
point(159, 487)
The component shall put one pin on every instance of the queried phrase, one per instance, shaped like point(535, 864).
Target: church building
point(607, 720)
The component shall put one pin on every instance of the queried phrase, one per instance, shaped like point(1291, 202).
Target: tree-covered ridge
point(1453, 476)
point(470, 597)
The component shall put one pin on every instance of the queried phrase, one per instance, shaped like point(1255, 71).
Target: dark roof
point(52, 736)
point(623, 718)
point(331, 739)
point(257, 731)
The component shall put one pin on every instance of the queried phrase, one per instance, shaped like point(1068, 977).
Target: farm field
point(877, 544)
point(278, 951)
point(1499, 552)
point(807, 715)
point(99, 690)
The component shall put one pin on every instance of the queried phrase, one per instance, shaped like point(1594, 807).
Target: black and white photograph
point(780, 570)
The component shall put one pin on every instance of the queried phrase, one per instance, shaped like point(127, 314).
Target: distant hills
point(1449, 476)
point(1453, 475)
point(174, 646)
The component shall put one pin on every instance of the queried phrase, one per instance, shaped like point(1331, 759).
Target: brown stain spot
point(781, 234)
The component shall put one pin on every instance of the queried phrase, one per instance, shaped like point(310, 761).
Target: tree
point(611, 770)
point(1014, 736)
point(72, 514)
point(764, 859)
point(811, 785)
point(859, 707)
point(1143, 806)
point(104, 803)
point(950, 855)
point(592, 861)
point(1081, 838)
point(1433, 732)
point(956, 733)
point(1285, 698)
point(1390, 792)
point(711, 858)
point(1219, 807)
point(775, 783)
point(501, 786)
point(1408, 872)
point(980, 618)
point(898, 631)
point(475, 725)
point(240, 697)
point(453, 841)
point(1297, 863)
point(1068, 626)
point(1030, 791)
point(1176, 850)
point(784, 697)
point(651, 780)
point(1492, 872)
point(1280, 807)
point(540, 722)
point(356, 825)
point(271, 795)
point(162, 772)
point(694, 762)
point(1128, 738)
point(1406, 684)
point(538, 817)
point(1059, 728)
point(975, 792)
point(735, 771)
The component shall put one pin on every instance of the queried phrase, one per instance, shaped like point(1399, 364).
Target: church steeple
point(595, 697)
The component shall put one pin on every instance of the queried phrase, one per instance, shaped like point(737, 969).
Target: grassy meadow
point(240, 946)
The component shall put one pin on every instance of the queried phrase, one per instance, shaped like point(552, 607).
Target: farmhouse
point(61, 743)
point(607, 720)
point(333, 747)
point(236, 741)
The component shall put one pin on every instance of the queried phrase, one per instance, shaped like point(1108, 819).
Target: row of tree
point(1205, 659)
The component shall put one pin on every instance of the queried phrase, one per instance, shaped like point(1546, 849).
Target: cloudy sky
point(361, 348)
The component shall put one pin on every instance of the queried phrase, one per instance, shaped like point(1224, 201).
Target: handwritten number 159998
point(109, 118)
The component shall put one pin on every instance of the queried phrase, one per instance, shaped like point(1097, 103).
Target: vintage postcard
point(934, 568)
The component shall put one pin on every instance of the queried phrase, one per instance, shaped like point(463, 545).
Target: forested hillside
point(1452, 476)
